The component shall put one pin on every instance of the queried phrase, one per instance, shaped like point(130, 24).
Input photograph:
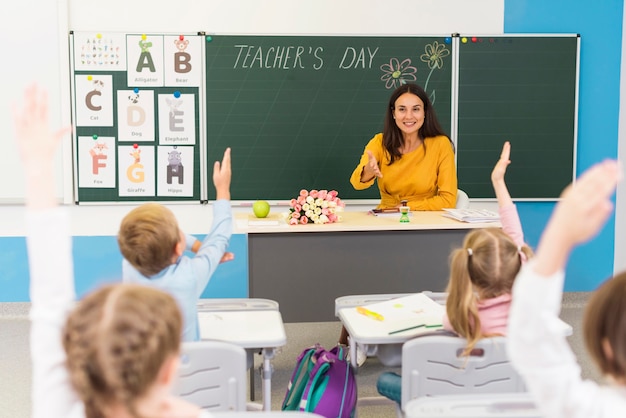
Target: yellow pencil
point(367, 312)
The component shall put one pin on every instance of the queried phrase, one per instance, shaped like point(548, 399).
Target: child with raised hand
point(482, 273)
point(483, 270)
point(536, 346)
point(115, 353)
point(153, 245)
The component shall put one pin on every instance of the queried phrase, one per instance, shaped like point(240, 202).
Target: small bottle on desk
point(404, 210)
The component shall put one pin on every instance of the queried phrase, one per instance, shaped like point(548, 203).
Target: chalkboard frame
point(539, 171)
point(437, 82)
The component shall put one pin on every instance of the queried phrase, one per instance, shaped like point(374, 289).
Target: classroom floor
point(15, 368)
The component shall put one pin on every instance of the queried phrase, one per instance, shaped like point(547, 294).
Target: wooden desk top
point(354, 221)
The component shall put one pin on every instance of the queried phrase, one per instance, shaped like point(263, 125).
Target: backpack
point(323, 382)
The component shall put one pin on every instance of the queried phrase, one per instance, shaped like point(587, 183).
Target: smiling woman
point(412, 159)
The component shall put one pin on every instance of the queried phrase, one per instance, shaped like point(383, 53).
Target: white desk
point(500, 405)
point(364, 330)
point(249, 323)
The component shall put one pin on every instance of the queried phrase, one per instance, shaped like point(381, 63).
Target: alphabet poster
point(136, 101)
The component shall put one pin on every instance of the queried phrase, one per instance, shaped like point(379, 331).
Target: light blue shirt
point(187, 278)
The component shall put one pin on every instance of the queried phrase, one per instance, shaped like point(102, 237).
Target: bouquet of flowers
point(315, 206)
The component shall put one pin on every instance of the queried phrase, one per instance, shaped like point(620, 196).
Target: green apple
point(261, 208)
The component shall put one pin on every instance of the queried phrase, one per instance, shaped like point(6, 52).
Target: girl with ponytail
point(483, 270)
point(482, 273)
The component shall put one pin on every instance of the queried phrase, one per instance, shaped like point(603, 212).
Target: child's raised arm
point(497, 176)
point(221, 176)
point(580, 215)
point(37, 145)
point(536, 344)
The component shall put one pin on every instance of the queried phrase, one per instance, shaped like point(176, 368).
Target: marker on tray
point(371, 314)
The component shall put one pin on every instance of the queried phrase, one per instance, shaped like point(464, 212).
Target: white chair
point(462, 200)
point(212, 375)
point(495, 405)
point(433, 365)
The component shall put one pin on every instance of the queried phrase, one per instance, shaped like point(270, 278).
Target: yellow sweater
point(426, 177)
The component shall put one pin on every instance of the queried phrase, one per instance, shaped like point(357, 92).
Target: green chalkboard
point(297, 111)
point(522, 89)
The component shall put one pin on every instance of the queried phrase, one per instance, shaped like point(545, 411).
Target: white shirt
point(542, 356)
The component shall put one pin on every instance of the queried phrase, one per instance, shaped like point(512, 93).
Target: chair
point(462, 200)
point(432, 365)
point(212, 375)
point(497, 405)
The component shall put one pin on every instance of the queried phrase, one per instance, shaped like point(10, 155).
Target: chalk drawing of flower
point(397, 73)
point(434, 55)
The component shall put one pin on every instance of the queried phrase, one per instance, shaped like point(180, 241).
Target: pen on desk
point(415, 327)
point(371, 314)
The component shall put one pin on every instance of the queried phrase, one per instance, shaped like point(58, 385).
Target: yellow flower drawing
point(434, 55)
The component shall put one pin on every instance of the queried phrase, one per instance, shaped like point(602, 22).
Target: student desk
point(306, 267)
point(250, 323)
point(389, 348)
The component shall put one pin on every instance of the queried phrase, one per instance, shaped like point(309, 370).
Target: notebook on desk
point(406, 313)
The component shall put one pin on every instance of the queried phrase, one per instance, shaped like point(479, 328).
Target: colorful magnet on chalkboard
point(177, 94)
point(474, 39)
point(99, 36)
point(209, 39)
point(136, 90)
point(464, 40)
point(447, 40)
point(181, 37)
point(143, 37)
point(89, 78)
point(94, 137)
point(135, 146)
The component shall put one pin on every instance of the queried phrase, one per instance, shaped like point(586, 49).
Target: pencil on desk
point(415, 327)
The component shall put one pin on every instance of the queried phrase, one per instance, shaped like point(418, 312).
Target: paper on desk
point(408, 311)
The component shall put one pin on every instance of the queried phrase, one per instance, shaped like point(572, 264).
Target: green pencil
point(415, 327)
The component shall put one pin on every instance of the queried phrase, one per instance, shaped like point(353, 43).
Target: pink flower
point(325, 211)
point(314, 193)
point(301, 200)
point(304, 193)
point(333, 193)
point(295, 215)
point(292, 203)
point(293, 221)
point(304, 220)
point(332, 217)
point(298, 207)
point(322, 194)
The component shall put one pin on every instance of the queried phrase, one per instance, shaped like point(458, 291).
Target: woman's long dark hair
point(392, 135)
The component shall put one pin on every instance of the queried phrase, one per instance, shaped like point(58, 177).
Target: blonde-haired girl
point(482, 272)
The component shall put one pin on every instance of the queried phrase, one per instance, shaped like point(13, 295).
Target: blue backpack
point(323, 382)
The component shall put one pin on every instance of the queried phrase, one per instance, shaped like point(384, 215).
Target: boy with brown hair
point(153, 245)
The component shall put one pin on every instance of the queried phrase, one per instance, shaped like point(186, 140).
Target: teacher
point(412, 159)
